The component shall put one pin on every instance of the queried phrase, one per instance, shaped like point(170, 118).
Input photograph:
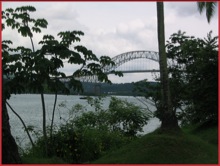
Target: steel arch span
point(128, 56)
point(123, 58)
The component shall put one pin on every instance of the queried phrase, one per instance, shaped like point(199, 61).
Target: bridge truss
point(129, 56)
point(122, 59)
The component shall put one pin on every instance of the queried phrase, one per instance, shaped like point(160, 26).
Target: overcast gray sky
point(112, 28)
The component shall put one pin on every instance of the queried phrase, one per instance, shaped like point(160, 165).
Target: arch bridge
point(124, 58)
point(132, 55)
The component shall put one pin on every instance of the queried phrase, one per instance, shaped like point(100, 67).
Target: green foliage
point(87, 135)
point(193, 79)
point(122, 116)
point(195, 69)
point(35, 70)
point(20, 19)
point(75, 146)
point(209, 7)
point(127, 117)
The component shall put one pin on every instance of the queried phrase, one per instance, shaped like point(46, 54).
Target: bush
point(90, 135)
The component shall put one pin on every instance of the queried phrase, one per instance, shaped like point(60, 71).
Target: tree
point(195, 65)
point(32, 69)
point(209, 7)
point(168, 117)
point(193, 71)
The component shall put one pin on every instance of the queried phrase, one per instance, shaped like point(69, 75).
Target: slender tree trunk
point(25, 127)
point(169, 119)
point(10, 153)
point(54, 108)
point(44, 125)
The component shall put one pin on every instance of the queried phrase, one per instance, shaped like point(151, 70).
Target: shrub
point(87, 136)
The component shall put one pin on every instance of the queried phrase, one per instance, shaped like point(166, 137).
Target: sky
point(113, 28)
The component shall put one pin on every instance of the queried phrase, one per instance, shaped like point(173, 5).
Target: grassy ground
point(37, 160)
point(208, 134)
point(194, 146)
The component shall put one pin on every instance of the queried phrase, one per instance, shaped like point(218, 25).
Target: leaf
point(25, 31)
point(57, 62)
point(7, 42)
point(48, 37)
point(41, 23)
point(88, 54)
point(10, 22)
point(106, 61)
point(18, 66)
point(3, 26)
point(10, 10)
point(67, 37)
point(118, 73)
point(37, 30)
point(25, 9)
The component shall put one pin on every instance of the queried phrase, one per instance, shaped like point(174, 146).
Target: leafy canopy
point(33, 69)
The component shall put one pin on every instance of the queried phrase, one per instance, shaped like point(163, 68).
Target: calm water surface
point(29, 107)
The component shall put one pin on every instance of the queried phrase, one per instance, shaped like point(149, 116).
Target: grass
point(192, 147)
point(40, 160)
point(209, 135)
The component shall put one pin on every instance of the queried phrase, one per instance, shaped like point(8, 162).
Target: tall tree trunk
point(10, 153)
point(169, 120)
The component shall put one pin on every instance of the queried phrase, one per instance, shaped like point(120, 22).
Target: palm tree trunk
point(168, 118)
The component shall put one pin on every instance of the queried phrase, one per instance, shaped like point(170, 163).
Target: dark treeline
point(90, 89)
point(126, 89)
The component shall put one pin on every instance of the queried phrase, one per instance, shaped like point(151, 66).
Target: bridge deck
point(138, 71)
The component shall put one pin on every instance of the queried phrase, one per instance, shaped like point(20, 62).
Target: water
point(29, 107)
